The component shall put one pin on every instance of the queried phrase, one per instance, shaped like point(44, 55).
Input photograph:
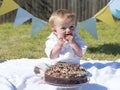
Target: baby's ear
point(53, 30)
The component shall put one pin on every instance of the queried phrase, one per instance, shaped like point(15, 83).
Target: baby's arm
point(77, 49)
point(56, 50)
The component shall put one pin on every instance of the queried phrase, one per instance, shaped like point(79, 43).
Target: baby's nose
point(68, 30)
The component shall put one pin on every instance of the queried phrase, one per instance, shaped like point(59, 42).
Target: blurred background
point(16, 43)
point(84, 9)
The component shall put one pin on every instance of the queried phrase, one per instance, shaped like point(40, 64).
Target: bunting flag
point(22, 16)
point(77, 28)
point(7, 6)
point(118, 14)
point(106, 16)
point(90, 26)
point(37, 25)
point(115, 8)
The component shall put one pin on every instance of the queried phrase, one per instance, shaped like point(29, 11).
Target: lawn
point(17, 42)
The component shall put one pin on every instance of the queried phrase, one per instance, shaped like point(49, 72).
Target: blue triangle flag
point(37, 25)
point(77, 28)
point(22, 16)
point(90, 26)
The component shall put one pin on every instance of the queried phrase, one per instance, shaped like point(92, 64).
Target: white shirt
point(66, 54)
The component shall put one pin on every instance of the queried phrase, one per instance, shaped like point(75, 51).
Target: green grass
point(17, 43)
point(107, 47)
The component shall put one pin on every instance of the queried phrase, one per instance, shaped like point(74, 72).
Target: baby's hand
point(61, 41)
point(70, 38)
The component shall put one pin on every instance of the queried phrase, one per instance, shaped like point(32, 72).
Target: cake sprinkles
point(63, 73)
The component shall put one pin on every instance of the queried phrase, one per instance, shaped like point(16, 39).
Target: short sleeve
point(50, 43)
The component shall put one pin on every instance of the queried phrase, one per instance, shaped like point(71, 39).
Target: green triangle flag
point(90, 26)
point(7, 6)
point(106, 16)
point(37, 25)
point(77, 28)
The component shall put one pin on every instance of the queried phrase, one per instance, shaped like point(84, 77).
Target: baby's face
point(64, 27)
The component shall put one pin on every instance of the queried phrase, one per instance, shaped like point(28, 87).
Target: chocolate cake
point(62, 73)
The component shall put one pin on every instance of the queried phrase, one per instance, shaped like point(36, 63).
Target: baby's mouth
point(68, 34)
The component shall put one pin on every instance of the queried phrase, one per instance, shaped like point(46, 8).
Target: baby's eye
point(71, 27)
point(63, 28)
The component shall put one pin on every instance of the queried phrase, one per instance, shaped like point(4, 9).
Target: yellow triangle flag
point(106, 16)
point(7, 6)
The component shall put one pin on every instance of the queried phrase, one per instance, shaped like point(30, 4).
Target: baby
point(63, 44)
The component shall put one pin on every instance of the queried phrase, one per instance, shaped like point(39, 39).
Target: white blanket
point(18, 75)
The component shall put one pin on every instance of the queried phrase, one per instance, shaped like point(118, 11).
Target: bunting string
point(105, 15)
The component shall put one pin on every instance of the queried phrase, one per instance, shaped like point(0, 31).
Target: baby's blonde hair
point(61, 13)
